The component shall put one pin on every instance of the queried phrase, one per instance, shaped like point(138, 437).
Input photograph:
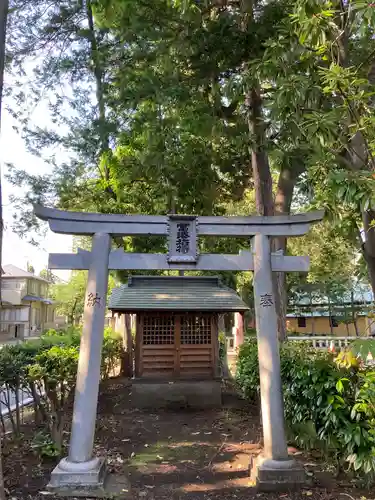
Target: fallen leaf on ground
point(307, 493)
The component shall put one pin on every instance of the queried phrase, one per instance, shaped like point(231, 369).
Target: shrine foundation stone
point(176, 394)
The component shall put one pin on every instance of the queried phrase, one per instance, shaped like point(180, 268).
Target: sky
point(18, 251)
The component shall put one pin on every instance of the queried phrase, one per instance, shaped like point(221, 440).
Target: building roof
point(11, 271)
point(33, 298)
point(360, 293)
point(175, 293)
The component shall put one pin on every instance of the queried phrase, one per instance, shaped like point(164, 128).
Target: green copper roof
point(175, 293)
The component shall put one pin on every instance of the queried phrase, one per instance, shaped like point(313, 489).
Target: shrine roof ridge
point(204, 279)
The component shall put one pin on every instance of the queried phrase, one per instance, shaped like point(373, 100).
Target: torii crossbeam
point(80, 469)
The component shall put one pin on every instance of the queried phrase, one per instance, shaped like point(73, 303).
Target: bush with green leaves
point(111, 353)
point(56, 369)
point(327, 405)
point(46, 370)
point(44, 446)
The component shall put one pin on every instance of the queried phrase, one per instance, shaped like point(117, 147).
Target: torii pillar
point(81, 472)
point(274, 469)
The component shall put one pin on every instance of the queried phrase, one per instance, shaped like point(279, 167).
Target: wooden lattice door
point(156, 345)
point(177, 345)
point(198, 345)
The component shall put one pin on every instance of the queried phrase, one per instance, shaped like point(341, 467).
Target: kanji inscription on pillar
point(266, 300)
point(93, 300)
point(182, 239)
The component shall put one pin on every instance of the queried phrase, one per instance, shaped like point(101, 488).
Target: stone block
point(115, 486)
point(277, 475)
point(80, 478)
point(176, 394)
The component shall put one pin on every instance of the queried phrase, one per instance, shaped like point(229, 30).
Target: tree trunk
point(57, 428)
point(98, 73)
point(6, 401)
point(368, 247)
point(127, 358)
point(291, 169)
point(2, 425)
point(17, 410)
point(2, 488)
point(39, 409)
point(259, 158)
point(4, 8)
point(129, 346)
point(264, 197)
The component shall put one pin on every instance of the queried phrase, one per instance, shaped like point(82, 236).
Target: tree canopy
point(204, 107)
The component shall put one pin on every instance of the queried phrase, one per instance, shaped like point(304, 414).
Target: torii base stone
point(103, 485)
point(277, 475)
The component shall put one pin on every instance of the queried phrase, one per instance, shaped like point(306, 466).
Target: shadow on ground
point(190, 455)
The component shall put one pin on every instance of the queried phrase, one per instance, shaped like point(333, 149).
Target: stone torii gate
point(80, 470)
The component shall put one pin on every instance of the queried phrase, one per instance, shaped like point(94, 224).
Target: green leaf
point(339, 386)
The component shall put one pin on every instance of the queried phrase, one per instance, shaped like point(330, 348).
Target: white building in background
point(26, 309)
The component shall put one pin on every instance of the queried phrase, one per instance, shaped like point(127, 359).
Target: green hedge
point(327, 406)
point(45, 369)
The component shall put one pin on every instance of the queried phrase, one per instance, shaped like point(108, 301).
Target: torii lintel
point(87, 223)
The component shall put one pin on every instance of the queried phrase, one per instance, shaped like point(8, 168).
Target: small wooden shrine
point(176, 324)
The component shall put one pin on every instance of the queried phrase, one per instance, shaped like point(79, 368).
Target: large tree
point(338, 38)
point(171, 106)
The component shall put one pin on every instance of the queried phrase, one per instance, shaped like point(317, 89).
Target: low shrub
point(44, 446)
point(328, 405)
point(111, 352)
point(45, 369)
point(250, 332)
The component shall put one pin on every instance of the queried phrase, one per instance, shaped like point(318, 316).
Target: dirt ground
point(185, 455)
